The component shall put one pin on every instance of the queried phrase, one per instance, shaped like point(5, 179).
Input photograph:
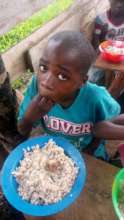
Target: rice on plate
point(45, 175)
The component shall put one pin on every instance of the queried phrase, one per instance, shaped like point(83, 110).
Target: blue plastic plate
point(9, 185)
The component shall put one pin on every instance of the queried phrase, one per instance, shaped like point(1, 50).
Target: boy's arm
point(36, 110)
point(96, 40)
point(106, 109)
point(119, 120)
point(110, 130)
point(99, 33)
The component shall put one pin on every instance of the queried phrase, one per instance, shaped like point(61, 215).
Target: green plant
point(24, 29)
point(21, 82)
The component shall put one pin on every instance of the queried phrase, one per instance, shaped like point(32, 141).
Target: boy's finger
point(45, 101)
point(50, 102)
point(37, 98)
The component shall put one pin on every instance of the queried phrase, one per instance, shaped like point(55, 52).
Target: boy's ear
point(85, 78)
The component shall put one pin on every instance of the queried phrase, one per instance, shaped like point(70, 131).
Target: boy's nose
point(48, 81)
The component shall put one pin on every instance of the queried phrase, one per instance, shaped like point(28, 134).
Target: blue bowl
point(9, 184)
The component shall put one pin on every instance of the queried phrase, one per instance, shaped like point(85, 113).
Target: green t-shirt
point(93, 104)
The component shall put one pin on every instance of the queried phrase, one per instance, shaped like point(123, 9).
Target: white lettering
point(54, 124)
point(67, 127)
point(76, 129)
point(86, 128)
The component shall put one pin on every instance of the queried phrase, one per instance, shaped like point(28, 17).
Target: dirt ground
point(14, 11)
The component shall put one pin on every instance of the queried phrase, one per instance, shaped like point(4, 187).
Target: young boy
point(110, 25)
point(59, 97)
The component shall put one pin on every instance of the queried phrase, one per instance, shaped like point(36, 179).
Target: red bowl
point(110, 56)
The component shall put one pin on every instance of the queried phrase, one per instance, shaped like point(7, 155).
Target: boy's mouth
point(47, 92)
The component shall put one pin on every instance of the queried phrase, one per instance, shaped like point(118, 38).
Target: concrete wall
point(81, 18)
point(16, 11)
point(80, 15)
point(72, 22)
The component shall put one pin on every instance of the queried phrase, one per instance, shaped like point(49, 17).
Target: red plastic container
point(108, 55)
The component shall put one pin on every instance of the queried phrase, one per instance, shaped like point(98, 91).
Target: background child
point(110, 25)
point(9, 135)
point(59, 97)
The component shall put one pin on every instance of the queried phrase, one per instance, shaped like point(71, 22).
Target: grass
point(21, 31)
point(21, 82)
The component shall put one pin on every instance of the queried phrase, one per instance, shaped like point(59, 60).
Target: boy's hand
point(38, 108)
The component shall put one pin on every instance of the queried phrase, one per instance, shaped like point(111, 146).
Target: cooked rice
point(45, 175)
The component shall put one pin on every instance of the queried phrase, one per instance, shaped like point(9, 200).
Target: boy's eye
point(62, 77)
point(43, 68)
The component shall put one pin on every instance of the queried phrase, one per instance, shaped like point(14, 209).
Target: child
point(9, 135)
point(60, 98)
point(109, 25)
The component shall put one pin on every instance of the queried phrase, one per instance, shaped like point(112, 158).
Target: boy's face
point(117, 7)
point(59, 75)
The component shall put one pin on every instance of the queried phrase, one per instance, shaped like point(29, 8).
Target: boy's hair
point(76, 42)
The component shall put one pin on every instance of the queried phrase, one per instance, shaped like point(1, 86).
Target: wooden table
point(102, 64)
point(109, 69)
point(95, 202)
